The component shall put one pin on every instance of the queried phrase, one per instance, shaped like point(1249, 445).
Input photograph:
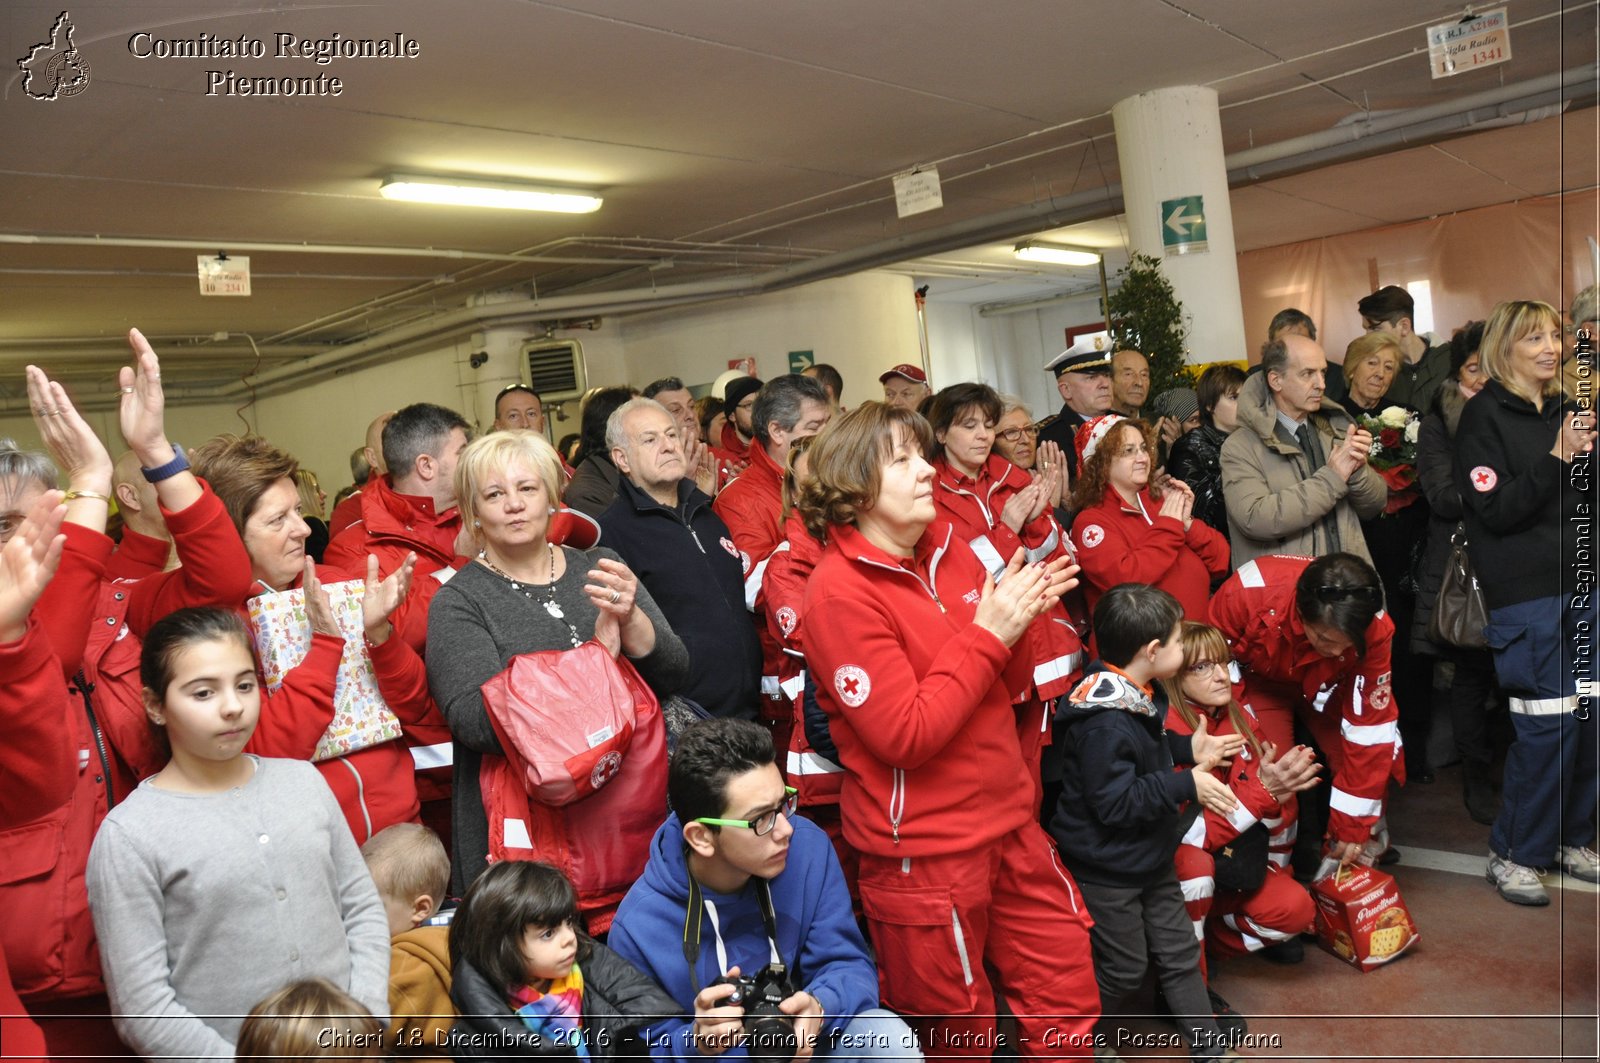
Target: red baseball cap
point(911, 372)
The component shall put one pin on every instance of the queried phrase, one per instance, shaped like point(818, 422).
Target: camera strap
point(694, 913)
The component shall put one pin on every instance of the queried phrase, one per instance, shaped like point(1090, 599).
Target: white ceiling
point(729, 138)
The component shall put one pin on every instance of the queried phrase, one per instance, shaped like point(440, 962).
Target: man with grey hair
point(663, 526)
point(1295, 473)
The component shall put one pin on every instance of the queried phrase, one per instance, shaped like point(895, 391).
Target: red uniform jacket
point(1212, 831)
point(1348, 701)
point(52, 952)
point(919, 698)
point(37, 768)
point(138, 556)
point(346, 512)
point(391, 525)
point(781, 604)
point(752, 508)
point(375, 786)
point(973, 508)
point(1119, 543)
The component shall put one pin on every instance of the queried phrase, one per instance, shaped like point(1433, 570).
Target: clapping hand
point(1006, 608)
point(1212, 793)
point(77, 451)
point(319, 608)
point(28, 561)
point(1350, 452)
point(1292, 773)
point(1051, 460)
point(381, 597)
point(1024, 507)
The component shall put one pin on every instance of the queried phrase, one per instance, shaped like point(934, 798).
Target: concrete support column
point(1175, 187)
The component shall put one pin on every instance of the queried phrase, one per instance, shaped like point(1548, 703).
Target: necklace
point(548, 599)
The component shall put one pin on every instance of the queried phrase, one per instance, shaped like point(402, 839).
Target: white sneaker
point(1580, 862)
point(1517, 884)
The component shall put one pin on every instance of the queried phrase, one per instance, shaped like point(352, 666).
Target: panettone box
point(1361, 918)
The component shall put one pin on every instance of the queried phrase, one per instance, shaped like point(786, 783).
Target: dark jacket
point(1061, 430)
point(1519, 496)
point(618, 1000)
point(687, 559)
point(1119, 820)
point(1416, 384)
point(593, 486)
point(1436, 472)
point(1196, 459)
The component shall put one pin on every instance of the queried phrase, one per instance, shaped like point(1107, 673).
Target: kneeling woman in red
point(918, 656)
point(1253, 904)
point(1128, 532)
point(1312, 640)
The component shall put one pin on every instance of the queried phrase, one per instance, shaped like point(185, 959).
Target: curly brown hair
point(847, 463)
point(1095, 474)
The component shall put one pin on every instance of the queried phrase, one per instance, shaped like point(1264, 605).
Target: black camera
point(769, 1033)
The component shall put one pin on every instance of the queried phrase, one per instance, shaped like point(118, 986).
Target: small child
point(412, 871)
point(528, 982)
point(224, 875)
point(1120, 817)
point(311, 1019)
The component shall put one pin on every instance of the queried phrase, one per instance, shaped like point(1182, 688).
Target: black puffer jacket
point(618, 999)
point(1196, 459)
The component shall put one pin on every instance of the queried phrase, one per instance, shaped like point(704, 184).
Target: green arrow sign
point(1183, 225)
point(799, 360)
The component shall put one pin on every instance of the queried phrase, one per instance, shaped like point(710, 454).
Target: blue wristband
point(179, 462)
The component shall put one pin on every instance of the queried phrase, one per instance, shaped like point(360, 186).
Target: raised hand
point(1576, 437)
point(319, 608)
point(1350, 452)
point(381, 597)
point(1052, 460)
point(77, 451)
point(1023, 507)
point(1005, 609)
point(27, 562)
point(142, 413)
point(1213, 751)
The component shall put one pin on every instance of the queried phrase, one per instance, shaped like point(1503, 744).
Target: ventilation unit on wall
point(555, 369)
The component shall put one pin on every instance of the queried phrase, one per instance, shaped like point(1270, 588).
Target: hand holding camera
point(763, 1011)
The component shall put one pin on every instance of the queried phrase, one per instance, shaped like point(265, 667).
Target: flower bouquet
point(1394, 453)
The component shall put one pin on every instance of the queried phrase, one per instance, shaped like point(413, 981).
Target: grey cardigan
point(204, 904)
point(476, 624)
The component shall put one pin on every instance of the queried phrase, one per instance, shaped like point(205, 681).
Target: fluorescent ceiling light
point(509, 195)
point(1057, 254)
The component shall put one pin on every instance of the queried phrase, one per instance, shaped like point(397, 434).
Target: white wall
point(861, 325)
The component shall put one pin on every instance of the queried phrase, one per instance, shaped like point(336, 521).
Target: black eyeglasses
point(762, 825)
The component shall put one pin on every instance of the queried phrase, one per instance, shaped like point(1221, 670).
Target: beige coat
point(1274, 506)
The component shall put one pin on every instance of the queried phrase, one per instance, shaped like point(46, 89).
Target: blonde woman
point(1524, 463)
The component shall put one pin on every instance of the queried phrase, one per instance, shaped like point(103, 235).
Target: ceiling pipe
point(1341, 143)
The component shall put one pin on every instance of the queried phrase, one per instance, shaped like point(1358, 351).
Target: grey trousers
point(1136, 924)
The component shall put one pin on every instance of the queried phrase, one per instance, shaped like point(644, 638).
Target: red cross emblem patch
point(853, 684)
point(1093, 535)
point(1484, 479)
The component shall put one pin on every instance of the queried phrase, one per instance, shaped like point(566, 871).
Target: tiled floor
point(1488, 980)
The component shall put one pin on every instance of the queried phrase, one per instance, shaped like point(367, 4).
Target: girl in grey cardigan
point(224, 876)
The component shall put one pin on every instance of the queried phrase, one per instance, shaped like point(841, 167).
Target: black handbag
point(1241, 865)
point(1459, 613)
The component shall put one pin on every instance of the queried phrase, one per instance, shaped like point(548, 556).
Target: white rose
point(1393, 416)
point(1411, 432)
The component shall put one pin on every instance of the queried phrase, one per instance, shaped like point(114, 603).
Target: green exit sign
point(1183, 225)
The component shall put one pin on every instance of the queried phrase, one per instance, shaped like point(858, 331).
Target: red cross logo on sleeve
point(853, 684)
point(1483, 478)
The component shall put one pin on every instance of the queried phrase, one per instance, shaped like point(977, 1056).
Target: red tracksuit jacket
point(918, 697)
point(752, 508)
point(1211, 831)
point(972, 506)
point(1117, 543)
point(1349, 699)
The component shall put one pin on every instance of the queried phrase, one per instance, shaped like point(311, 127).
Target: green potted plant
point(1144, 313)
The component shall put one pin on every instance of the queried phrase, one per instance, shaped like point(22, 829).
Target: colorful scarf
point(555, 1014)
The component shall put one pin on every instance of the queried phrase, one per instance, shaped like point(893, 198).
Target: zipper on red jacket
point(907, 572)
point(86, 688)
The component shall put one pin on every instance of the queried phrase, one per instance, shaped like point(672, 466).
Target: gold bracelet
point(70, 495)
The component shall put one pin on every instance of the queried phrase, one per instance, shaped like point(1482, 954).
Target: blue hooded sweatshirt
point(818, 939)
